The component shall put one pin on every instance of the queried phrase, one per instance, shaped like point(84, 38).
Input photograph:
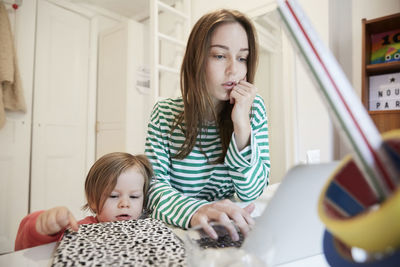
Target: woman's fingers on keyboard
point(208, 229)
point(250, 208)
point(226, 213)
point(225, 221)
point(247, 215)
point(241, 223)
point(216, 215)
point(232, 214)
point(240, 216)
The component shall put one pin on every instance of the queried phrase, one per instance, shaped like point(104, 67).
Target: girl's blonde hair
point(197, 101)
point(103, 176)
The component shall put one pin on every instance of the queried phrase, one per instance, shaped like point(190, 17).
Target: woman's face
point(227, 60)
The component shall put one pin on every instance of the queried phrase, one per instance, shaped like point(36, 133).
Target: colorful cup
point(338, 254)
point(352, 213)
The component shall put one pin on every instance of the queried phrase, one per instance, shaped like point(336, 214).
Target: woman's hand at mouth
point(242, 97)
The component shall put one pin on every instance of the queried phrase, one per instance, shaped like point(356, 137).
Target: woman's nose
point(231, 68)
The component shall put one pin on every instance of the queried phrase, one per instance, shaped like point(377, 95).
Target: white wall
point(313, 121)
point(346, 42)
point(200, 7)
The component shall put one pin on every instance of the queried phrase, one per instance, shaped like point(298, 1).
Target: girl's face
point(126, 200)
point(227, 60)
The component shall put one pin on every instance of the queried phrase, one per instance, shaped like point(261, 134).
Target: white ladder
point(164, 14)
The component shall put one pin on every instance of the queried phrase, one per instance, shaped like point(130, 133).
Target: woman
point(212, 142)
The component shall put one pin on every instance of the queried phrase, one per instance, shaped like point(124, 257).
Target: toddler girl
point(116, 189)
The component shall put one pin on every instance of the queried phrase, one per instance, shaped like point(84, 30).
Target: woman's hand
point(223, 212)
point(54, 220)
point(242, 96)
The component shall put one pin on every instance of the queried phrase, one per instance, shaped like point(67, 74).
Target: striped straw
point(373, 157)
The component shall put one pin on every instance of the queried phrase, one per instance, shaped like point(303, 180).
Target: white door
point(123, 96)
point(112, 91)
point(60, 123)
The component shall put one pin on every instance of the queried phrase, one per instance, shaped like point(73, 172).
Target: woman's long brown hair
point(197, 101)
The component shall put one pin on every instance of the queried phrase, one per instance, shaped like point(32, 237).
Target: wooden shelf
point(374, 112)
point(385, 120)
point(383, 68)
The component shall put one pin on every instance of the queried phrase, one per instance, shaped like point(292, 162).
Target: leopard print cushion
point(143, 242)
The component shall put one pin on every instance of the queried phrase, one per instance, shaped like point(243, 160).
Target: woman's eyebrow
point(220, 46)
point(227, 48)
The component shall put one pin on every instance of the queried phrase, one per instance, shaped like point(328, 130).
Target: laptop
point(289, 229)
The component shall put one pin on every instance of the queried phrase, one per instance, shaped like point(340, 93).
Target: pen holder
point(338, 254)
point(352, 213)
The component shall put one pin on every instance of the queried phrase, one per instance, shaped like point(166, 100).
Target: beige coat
point(11, 93)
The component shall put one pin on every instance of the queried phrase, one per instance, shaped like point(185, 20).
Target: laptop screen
point(289, 228)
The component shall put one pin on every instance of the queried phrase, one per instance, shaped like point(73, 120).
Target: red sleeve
point(88, 220)
point(28, 237)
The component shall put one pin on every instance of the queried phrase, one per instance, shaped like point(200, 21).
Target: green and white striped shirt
point(181, 187)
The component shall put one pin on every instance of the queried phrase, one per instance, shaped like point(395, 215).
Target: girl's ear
point(93, 208)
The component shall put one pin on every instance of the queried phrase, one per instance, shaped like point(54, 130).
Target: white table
point(37, 256)
point(42, 255)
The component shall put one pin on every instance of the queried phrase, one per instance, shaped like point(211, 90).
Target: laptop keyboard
point(224, 239)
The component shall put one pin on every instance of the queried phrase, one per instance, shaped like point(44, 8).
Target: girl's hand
point(224, 212)
point(242, 96)
point(54, 220)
